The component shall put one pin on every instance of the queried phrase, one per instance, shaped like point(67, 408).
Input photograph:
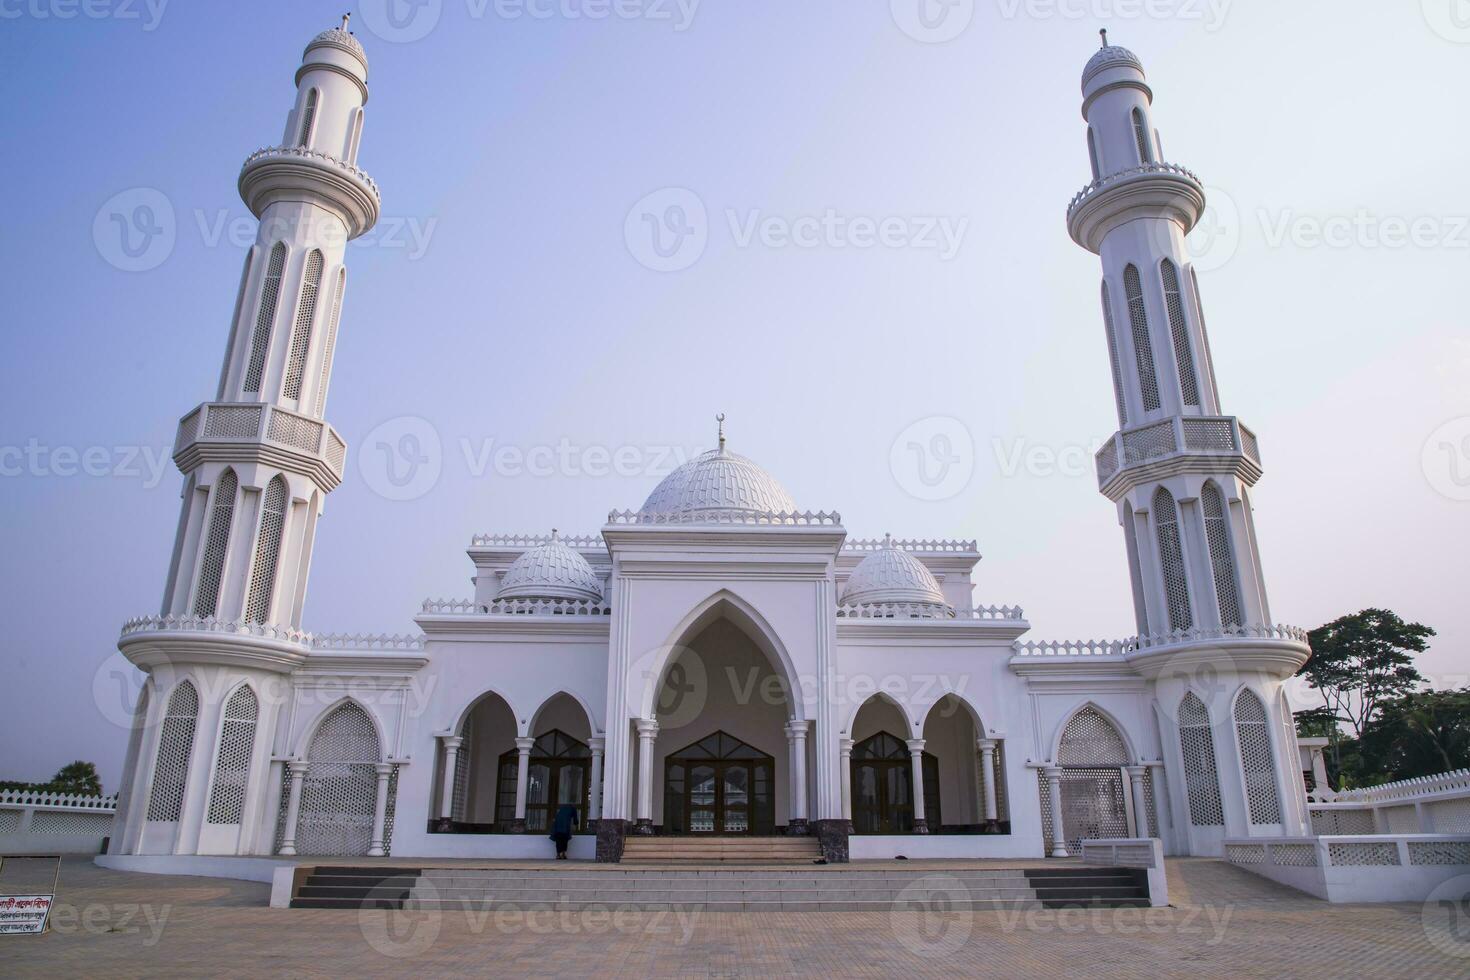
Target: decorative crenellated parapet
point(254, 432)
point(774, 518)
point(278, 173)
point(573, 541)
point(1132, 644)
point(516, 607)
point(1147, 452)
point(208, 624)
point(1277, 650)
point(917, 546)
point(367, 641)
point(1148, 190)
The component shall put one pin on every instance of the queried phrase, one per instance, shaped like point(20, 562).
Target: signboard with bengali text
point(24, 914)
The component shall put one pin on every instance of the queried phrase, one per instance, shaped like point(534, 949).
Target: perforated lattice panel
point(1294, 855)
point(232, 422)
point(1143, 349)
point(1401, 819)
point(1002, 805)
point(9, 821)
point(1113, 358)
point(1222, 557)
point(1330, 822)
point(267, 550)
point(1179, 333)
point(270, 294)
point(321, 391)
point(462, 772)
point(1140, 137)
point(212, 562)
point(1146, 443)
point(1245, 853)
point(1212, 434)
point(1171, 561)
point(1093, 805)
point(340, 787)
point(1367, 854)
point(1253, 733)
point(175, 747)
point(71, 823)
point(308, 115)
point(1201, 777)
point(390, 812)
point(1046, 821)
point(1091, 740)
point(1450, 816)
point(301, 332)
point(295, 430)
point(1439, 852)
point(232, 761)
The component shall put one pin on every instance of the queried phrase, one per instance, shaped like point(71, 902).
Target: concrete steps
point(720, 850)
point(719, 889)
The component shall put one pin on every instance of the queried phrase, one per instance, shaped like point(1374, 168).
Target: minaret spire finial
point(1104, 34)
point(721, 420)
point(345, 18)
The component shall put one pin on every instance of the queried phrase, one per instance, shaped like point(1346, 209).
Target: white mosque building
point(718, 661)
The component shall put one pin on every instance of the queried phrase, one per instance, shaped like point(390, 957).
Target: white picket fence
point(34, 822)
point(1424, 805)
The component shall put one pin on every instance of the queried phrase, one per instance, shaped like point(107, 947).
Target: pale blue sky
point(515, 146)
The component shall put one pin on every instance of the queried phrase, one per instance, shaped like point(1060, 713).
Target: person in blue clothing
point(561, 828)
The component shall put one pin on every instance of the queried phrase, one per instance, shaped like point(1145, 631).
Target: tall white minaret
point(259, 460)
point(1179, 470)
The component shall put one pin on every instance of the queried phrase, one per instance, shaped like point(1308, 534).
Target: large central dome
point(719, 481)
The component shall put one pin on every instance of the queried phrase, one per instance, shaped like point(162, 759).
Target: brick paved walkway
point(1225, 923)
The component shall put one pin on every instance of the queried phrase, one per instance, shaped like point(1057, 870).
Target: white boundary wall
point(1357, 868)
point(33, 822)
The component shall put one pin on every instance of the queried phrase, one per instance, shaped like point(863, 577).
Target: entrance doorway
point(719, 785)
point(883, 787)
point(558, 773)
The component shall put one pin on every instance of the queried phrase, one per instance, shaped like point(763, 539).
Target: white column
point(293, 806)
point(523, 775)
point(916, 759)
point(796, 740)
point(987, 777)
point(1319, 774)
point(1054, 793)
point(844, 746)
point(451, 763)
point(1136, 776)
point(594, 780)
point(380, 809)
point(647, 735)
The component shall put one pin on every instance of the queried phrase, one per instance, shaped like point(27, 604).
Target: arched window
point(1140, 135)
point(1254, 735)
point(354, 136)
point(559, 772)
point(321, 390)
point(1201, 778)
point(1092, 153)
point(308, 116)
point(301, 333)
point(1171, 560)
point(1179, 332)
point(267, 552)
point(1222, 558)
point(232, 761)
point(270, 293)
point(882, 781)
point(1113, 358)
point(175, 749)
point(1091, 755)
point(339, 791)
point(216, 544)
point(1143, 349)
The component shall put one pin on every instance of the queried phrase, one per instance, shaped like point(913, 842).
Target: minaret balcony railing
point(231, 424)
point(286, 173)
point(1131, 174)
point(1188, 435)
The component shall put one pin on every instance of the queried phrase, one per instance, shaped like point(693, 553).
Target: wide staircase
point(752, 889)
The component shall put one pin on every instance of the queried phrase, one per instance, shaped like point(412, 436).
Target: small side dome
point(1111, 56)
point(550, 571)
point(890, 575)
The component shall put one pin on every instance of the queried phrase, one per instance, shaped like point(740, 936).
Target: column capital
point(916, 745)
point(597, 743)
point(1052, 772)
point(845, 744)
point(452, 742)
point(986, 744)
point(384, 769)
point(1136, 773)
point(524, 744)
point(797, 729)
point(298, 768)
point(647, 727)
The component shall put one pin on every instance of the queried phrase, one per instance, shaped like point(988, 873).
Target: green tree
point(1360, 661)
point(1419, 734)
point(77, 777)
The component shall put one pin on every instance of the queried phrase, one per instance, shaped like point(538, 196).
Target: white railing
point(1131, 172)
point(1207, 434)
point(919, 545)
point(38, 821)
point(367, 641)
point(208, 624)
point(1419, 788)
point(773, 518)
point(517, 607)
point(1354, 867)
point(257, 422)
point(1134, 644)
point(574, 541)
point(302, 153)
point(896, 610)
point(1009, 613)
point(1427, 804)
